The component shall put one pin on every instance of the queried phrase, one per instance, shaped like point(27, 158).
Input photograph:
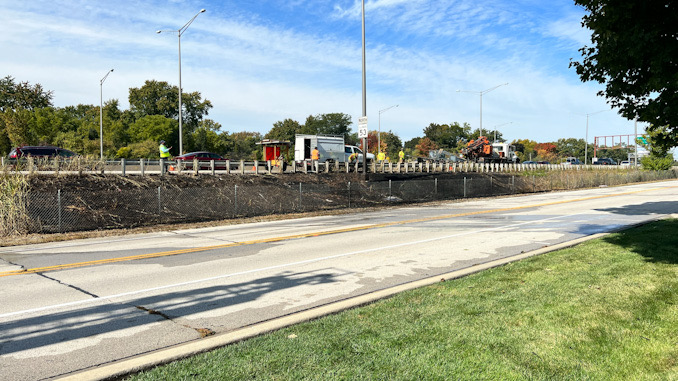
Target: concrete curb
point(139, 363)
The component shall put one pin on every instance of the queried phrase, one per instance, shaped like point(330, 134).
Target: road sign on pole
point(362, 127)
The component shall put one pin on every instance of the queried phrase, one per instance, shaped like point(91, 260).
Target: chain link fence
point(67, 211)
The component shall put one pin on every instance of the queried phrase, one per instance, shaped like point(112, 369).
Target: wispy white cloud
point(258, 68)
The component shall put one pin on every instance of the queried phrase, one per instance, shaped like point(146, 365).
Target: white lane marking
point(107, 300)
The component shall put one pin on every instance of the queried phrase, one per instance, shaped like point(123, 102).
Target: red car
point(204, 159)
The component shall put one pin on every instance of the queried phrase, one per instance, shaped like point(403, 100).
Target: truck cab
point(349, 150)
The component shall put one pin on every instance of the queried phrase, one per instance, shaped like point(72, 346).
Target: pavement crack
point(203, 332)
point(69, 285)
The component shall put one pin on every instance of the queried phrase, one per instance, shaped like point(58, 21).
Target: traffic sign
point(362, 127)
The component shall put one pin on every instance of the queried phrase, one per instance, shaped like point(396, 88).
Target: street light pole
point(364, 93)
point(495, 130)
point(481, 101)
point(179, 33)
point(586, 143)
point(379, 136)
point(101, 114)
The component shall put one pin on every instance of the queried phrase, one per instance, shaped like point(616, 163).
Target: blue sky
point(263, 61)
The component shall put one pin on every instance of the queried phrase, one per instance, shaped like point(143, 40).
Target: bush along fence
point(65, 211)
point(144, 167)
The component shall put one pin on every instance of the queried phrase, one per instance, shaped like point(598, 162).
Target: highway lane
point(168, 288)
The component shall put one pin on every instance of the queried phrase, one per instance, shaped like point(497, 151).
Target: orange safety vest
point(315, 155)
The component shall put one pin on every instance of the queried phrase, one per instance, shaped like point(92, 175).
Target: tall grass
point(13, 196)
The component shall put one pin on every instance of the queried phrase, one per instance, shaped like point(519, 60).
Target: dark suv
point(40, 152)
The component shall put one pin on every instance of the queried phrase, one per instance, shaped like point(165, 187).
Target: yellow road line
point(304, 235)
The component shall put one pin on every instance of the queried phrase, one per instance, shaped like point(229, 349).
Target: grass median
point(603, 310)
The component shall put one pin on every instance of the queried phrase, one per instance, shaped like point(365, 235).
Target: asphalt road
point(68, 306)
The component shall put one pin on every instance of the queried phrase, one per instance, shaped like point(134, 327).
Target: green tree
point(425, 146)
point(160, 98)
point(244, 146)
point(393, 144)
point(15, 97)
point(572, 147)
point(633, 53)
point(284, 130)
point(412, 144)
point(206, 138)
point(155, 128)
point(447, 135)
point(328, 124)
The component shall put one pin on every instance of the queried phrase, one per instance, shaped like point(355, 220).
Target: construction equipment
point(482, 151)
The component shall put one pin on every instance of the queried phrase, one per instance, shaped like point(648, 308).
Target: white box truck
point(330, 147)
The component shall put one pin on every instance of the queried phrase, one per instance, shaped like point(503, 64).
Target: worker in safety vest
point(401, 155)
point(381, 156)
point(315, 156)
point(164, 151)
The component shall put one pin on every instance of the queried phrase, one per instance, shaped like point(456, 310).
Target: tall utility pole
point(179, 33)
point(481, 101)
point(101, 113)
point(586, 145)
point(364, 96)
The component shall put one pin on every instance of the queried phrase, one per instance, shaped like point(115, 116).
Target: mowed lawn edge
point(606, 309)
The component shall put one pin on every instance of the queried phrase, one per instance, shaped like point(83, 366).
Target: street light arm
point(488, 90)
point(105, 76)
point(386, 109)
point(183, 28)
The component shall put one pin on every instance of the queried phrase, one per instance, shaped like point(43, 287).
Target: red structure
point(275, 151)
point(615, 142)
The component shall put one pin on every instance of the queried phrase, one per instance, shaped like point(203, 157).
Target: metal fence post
point(159, 205)
point(162, 167)
point(122, 167)
point(235, 201)
point(513, 184)
point(349, 195)
point(464, 187)
point(435, 186)
point(491, 186)
point(59, 206)
point(300, 201)
point(389, 189)
point(141, 166)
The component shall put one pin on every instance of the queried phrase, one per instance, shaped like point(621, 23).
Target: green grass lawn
point(604, 310)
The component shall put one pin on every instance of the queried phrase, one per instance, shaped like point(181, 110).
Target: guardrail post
point(464, 187)
point(389, 189)
point(228, 166)
point(180, 165)
point(162, 167)
point(141, 167)
point(242, 167)
point(56, 165)
point(122, 167)
point(256, 167)
point(213, 168)
point(435, 186)
point(196, 166)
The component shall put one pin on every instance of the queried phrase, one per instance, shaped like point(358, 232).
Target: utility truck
point(482, 151)
point(330, 147)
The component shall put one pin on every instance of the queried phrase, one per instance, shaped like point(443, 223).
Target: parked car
point(204, 159)
point(604, 161)
point(529, 162)
point(571, 161)
point(40, 152)
point(543, 162)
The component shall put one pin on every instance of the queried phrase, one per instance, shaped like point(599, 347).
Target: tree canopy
point(633, 52)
